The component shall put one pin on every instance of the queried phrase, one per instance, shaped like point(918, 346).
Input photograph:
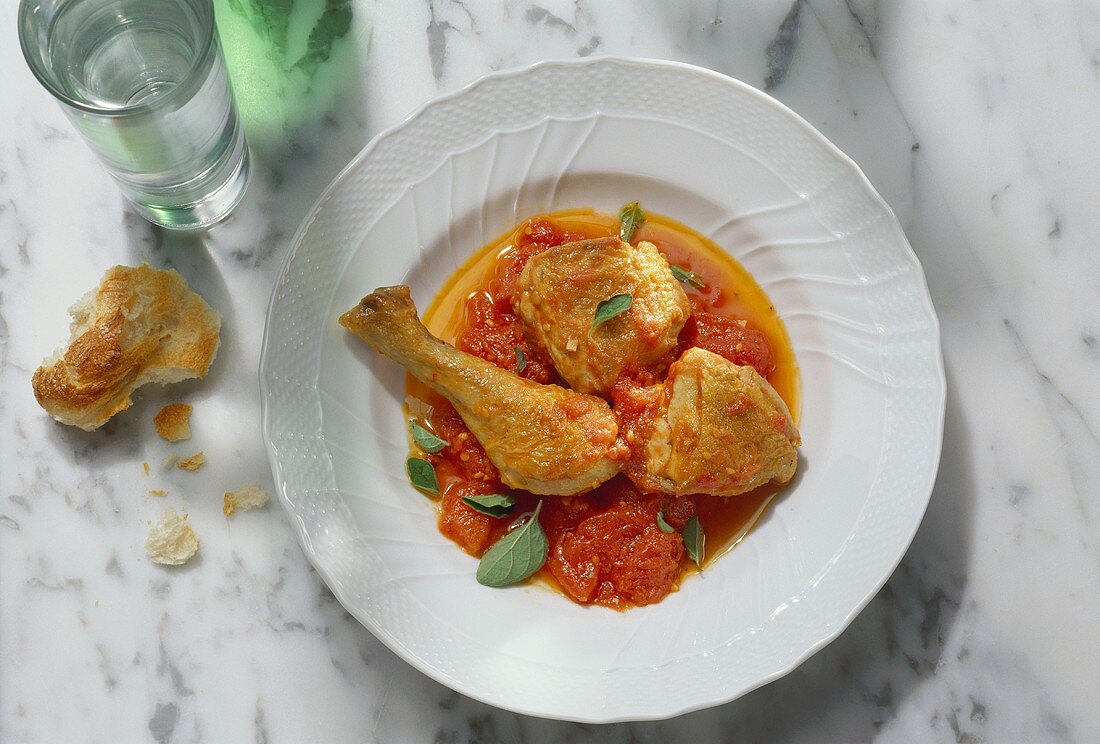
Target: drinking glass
point(144, 83)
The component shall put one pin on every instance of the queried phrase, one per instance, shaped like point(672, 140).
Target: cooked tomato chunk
point(618, 554)
point(466, 526)
point(495, 336)
point(732, 339)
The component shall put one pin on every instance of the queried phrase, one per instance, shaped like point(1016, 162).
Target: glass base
point(207, 211)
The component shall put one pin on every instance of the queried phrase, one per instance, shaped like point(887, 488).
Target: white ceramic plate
point(732, 163)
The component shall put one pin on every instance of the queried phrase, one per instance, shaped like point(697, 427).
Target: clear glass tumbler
point(144, 83)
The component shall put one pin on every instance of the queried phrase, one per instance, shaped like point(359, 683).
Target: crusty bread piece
point(140, 325)
point(173, 422)
point(171, 542)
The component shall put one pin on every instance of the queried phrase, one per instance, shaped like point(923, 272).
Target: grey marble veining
point(976, 123)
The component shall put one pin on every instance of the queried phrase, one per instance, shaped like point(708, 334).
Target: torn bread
point(140, 325)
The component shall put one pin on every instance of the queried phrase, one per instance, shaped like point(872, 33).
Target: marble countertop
point(978, 124)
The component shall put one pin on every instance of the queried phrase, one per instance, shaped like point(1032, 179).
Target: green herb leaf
point(422, 475)
point(665, 526)
point(515, 556)
point(694, 540)
point(612, 306)
point(495, 505)
point(631, 219)
point(424, 439)
point(333, 24)
point(688, 277)
point(521, 360)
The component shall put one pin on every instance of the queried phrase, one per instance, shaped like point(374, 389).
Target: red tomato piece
point(466, 526)
point(635, 406)
point(618, 554)
point(728, 338)
point(647, 573)
point(576, 576)
point(494, 335)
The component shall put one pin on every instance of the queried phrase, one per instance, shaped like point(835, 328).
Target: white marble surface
point(976, 121)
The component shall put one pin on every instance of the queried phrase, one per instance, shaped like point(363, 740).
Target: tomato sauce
point(605, 546)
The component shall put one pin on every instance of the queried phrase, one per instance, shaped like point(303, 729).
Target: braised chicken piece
point(542, 438)
point(713, 427)
point(560, 289)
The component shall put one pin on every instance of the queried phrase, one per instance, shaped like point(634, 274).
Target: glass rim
point(32, 55)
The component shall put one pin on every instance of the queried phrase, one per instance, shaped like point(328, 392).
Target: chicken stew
point(605, 403)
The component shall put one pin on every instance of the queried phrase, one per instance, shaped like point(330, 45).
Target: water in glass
point(150, 92)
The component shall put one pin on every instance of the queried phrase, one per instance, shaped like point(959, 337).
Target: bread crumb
point(571, 345)
point(145, 467)
point(192, 463)
point(173, 422)
point(171, 542)
point(170, 460)
point(252, 496)
point(157, 492)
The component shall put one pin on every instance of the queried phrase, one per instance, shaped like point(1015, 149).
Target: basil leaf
point(424, 439)
point(631, 219)
point(665, 526)
point(422, 475)
point(612, 306)
point(521, 360)
point(688, 277)
point(515, 556)
point(334, 22)
point(694, 540)
point(495, 505)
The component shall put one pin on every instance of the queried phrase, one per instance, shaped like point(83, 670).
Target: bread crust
point(140, 325)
